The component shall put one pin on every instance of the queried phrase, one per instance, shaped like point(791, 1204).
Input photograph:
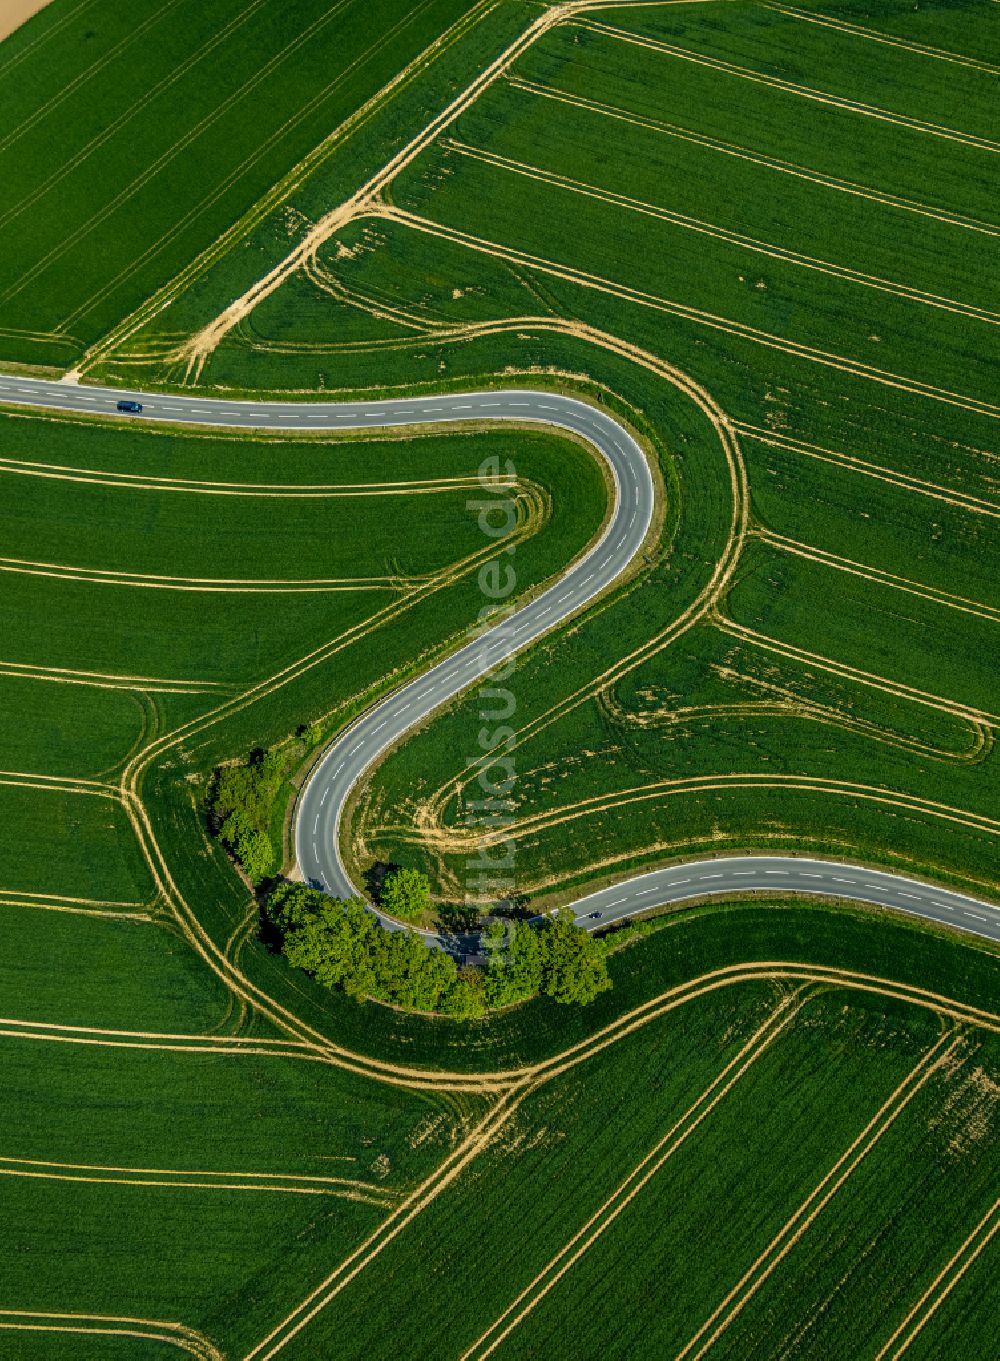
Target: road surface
point(355, 750)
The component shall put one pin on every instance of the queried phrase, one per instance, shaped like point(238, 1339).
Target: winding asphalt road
point(354, 752)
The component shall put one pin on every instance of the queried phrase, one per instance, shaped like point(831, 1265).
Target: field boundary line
point(767, 162)
point(753, 245)
point(890, 39)
point(111, 1325)
point(817, 1200)
point(600, 284)
point(636, 1181)
point(975, 505)
point(790, 87)
point(942, 1285)
point(877, 575)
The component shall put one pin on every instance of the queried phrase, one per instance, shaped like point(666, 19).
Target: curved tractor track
point(356, 750)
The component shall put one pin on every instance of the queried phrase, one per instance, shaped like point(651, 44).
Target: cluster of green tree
point(406, 894)
point(553, 956)
point(343, 946)
point(242, 796)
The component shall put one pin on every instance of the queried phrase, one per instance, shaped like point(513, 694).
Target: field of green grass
point(778, 1135)
point(649, 1202)
point(135, 137)
point(811, 240)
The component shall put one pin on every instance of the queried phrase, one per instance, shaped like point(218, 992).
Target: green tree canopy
point(406, 894)
point(255, 853)
point(554, 957)
point(575, 968)
point(343, 946)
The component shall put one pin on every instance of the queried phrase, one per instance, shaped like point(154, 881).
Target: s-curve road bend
point(355, 751)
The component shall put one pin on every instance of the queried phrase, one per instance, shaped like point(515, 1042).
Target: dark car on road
point(133, 407)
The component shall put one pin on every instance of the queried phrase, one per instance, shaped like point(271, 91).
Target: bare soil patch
point(13, 13)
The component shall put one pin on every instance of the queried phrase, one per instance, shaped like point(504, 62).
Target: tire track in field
point(716, 232)
point(521, 1083)
point(282, 1183)
point(99, 576)
point(100, 680)
point(233, 177)
point(845, 671)
point(781, 972)
point(975, 505)
point(59, 784)
point(266, 490)
point(291, 181)
point(102, 1037)
point(429, 828)
point(650, 124)
point(781, 702)
point(73, 12)
point(432, 834)
point(231, 976)
point(889, 39)
point(877, 575)
point(942, 1286)
point(72, 86)
point(636, 1181)
point(164, 159)
point(327, 282)
point(367, 1251)
point(791, 87)
point(203, 344)
point(801, 1221)
point(112, 1325)
point(218, 961)
point(86, 907)
point(526, 1080)
point(600, 284)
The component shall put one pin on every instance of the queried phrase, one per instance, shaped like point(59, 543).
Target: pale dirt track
point(13, 13)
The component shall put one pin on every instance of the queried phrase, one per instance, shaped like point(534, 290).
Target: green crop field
point(764, 235)
point(730, 190)
point(134, 137)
